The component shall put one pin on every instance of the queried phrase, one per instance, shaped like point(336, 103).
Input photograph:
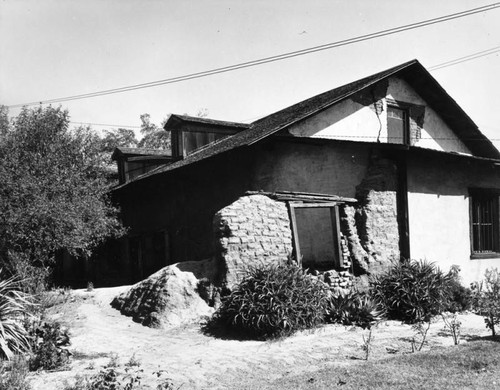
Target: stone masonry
point(253, 230)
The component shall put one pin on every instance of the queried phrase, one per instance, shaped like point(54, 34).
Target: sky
point(57, 48)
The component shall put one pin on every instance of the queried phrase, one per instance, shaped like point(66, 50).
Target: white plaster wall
point(438, 211)
point(439, 228)
point(349, 120)
point(441, 235)
point(435, 133)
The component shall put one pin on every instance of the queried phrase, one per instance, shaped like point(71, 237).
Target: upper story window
point(397, 125)
point(193, 140)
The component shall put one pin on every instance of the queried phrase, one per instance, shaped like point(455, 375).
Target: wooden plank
point(314, 205)
point(295, 233)
point(337, 245)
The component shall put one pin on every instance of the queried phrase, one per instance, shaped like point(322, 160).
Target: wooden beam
point(337, 245)
point(295, 233)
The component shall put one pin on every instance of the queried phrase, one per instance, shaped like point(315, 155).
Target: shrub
point(487, 299)
point(33, 279)
point(13, 375)
point(460, 298)
point(354, 308)
point(412, 291)
point(48, 342)
point(272, 301)
point(108, 379)
point(14, 305)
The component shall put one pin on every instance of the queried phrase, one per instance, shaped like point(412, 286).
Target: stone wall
point(341, 279)
point(253, 230)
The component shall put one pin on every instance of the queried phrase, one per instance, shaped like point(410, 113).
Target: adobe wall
point(371, 226)
point(252, 231)
point(439, 217)
point(349, 170)
point(327, 168)
point(255, 230)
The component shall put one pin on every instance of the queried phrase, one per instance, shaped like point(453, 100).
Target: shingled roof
point(146, 152)
point(412, 72)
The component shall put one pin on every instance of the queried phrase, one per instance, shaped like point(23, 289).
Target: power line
point(270, 59)
point(446, 64)
point(466, 58)
point(105, 124)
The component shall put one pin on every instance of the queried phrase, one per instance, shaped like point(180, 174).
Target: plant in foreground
point(13, 374)
point(367, 343)
point(14, 305)
point(452, 324)
point(49, 340)
point(272, 301)
point(487, 299)
point(412, 291)
point(354, 308)
point(418, 340)
point(460, 297)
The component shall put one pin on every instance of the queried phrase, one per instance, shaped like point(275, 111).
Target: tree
point(118, 138)
point(53, 189)
point(4, 120)
point(154, 137)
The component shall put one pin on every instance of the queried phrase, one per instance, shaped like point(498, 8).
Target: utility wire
point(466, 58)
point(266, 60)
point(105, 124)
point(446, 64)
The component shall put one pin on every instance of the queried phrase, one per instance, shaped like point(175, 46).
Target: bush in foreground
point(272, 301)
point(487, 299)
point(13, 374)
point(49, 340)
point(412, 291)
point(14, 306)
point(354, 308)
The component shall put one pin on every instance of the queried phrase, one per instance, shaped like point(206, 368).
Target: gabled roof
point(412, 72)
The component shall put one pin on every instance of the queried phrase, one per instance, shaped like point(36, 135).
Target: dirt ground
point(196, 361)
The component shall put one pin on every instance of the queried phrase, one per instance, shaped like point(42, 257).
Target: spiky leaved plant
point(412, 291)
point(14, 306)
point(273, 301)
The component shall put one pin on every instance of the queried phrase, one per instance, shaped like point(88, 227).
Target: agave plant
point(354, 308)
point(14, 306)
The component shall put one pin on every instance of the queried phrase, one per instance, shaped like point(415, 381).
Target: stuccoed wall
point(251, 231)
point(439, 216)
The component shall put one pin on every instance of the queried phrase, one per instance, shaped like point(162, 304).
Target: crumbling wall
point(253, 230)
point(371, 227)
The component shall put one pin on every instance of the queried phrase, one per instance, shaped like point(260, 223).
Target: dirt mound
point(178, 294)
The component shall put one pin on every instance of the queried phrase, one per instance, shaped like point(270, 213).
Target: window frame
point(405, 108)
point(177, 138)
point(335, 217)
point(488, 194)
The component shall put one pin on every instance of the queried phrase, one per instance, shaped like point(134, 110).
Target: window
point(397, 125)
point(193, 140)
point(484, 218)
point(187, 141)
point(316, 235)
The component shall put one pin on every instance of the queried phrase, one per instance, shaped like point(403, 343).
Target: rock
point(175, 295)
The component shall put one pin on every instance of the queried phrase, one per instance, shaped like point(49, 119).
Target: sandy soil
point(196, 361)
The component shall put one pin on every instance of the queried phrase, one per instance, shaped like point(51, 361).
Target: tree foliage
point(153, 137)
point(118, 138)
point(53, 188)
